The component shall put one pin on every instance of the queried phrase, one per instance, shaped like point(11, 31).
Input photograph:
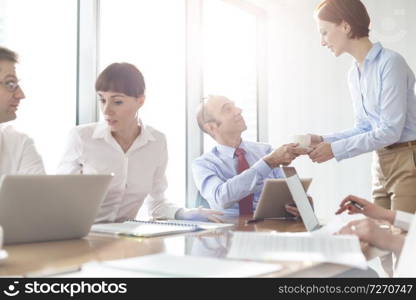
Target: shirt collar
point(229, 151)
point(103, 131)
point(373, 53)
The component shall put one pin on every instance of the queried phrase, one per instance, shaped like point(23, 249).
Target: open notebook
point(140, 228)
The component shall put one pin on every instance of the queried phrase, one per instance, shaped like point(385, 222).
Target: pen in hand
point(356, 205)
point(347, 206)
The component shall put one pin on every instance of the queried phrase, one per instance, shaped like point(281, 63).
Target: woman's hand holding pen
point(355, 205)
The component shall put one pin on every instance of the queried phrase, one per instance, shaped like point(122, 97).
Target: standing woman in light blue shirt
point(382, 90)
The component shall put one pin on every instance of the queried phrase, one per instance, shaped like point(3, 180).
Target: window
point(151, 35)
point(230, 60)
point(46, 44)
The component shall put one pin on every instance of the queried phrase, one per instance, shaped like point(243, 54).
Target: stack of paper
point(297, 247)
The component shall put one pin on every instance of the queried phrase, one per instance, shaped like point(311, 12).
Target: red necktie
point(245, 204)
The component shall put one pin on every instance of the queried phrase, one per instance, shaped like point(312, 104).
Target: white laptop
point(301, 199)
point(36, 208)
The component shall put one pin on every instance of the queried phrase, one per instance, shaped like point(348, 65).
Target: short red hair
point(352, 12)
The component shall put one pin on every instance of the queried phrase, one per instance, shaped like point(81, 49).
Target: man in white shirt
point(18, 154)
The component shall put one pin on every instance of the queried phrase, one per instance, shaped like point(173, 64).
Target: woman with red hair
point(382, 90)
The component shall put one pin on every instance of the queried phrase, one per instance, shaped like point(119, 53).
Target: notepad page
point(287, 247)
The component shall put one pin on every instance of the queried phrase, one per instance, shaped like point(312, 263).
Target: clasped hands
point(319, 151)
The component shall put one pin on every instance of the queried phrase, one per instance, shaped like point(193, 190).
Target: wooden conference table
point(61, 255)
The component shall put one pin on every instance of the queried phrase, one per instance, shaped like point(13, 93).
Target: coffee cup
point(304, 140)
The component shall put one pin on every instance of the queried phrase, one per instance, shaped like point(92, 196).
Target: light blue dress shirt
point(384, 101)
point(215, 175)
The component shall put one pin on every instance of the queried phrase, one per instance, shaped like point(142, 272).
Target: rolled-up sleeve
point(403, 220)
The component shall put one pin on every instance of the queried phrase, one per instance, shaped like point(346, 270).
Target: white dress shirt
point(403, 220)
point(138, 173)
point(18, 154)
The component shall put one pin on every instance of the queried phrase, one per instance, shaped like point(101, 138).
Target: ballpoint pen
point(356, 205)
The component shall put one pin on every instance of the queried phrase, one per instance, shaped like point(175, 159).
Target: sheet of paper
point(297, 247)
point(336, 223)
point(191, 266)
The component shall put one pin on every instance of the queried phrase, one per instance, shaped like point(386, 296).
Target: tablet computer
point(274, 196)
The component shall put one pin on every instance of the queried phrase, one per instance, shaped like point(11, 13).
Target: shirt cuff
point(262, 168)
point(338, 149)
point(329, 138)
point(403, 220)
point(170, 212)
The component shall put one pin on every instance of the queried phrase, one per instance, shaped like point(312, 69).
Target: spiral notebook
point(138, 228)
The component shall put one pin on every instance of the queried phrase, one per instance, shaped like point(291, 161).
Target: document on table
point(166, 265)
point(344, 249)
point(336, 223)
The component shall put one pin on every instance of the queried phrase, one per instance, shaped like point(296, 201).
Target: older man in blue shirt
point(233, 172)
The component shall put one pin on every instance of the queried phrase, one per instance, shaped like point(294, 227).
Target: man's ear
point(209, 127)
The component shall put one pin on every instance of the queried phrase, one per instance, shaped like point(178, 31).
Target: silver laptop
point(35, 208)
point(301, 199)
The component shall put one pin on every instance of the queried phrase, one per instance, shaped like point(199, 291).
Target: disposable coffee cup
point(304, 140)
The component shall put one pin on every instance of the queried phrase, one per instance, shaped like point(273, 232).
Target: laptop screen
point(301, 199)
